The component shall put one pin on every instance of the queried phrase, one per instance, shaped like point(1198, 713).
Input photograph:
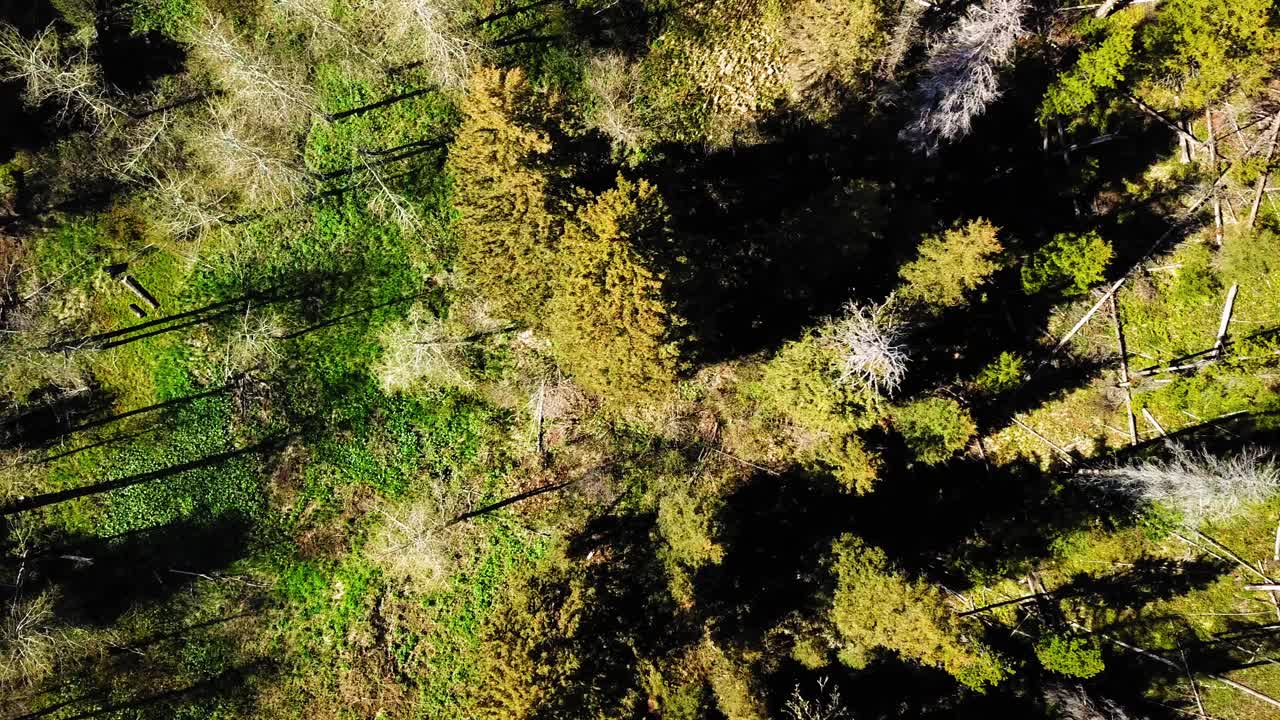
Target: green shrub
point(952, 264)
point(934, 428)
point(1001, 375)
point(1211, 46)
point(849, 461)
point(1070, 264)
point(1070, 655)
point(689, 528)
point(802, 384)
point(1101, 66)
point(173, 18)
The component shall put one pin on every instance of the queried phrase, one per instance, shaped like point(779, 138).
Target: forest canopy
point(618, 359)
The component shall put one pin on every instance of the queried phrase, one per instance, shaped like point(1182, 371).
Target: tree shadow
point(627, 587)
point(1146, 581)
point(758, 583)
point(50, 413)
point(102, 578)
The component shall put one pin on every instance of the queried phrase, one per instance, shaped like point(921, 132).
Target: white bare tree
point(614, 82)
point(825, 704)
point(868, 340)
point(256, 83)
point(421, 350)
point(249, 156)
point(56, 71)
point(436, 33)
point(1200, 485)
point(377, 35)
point(961, 75)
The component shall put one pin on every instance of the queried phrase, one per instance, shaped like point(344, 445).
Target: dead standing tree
point(56, 72)
point(961, 74)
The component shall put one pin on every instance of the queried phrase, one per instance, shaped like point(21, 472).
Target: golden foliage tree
point(505, 231)
point(952, 264)
point(610, 322)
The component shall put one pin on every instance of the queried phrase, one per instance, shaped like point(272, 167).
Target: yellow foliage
point(505, 231)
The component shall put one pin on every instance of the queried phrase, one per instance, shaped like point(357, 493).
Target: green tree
point(1212, 46)
point(528, 657)
point(952, 264)
point(1001, 375)
point(506, 233)
point(802, 383)
point(875, 606)
point(1101, 66)
point(934, 428)
point(1070, 263)
point(610, 322)
point(849, 461)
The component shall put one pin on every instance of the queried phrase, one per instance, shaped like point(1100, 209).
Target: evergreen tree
point(610, 322)
point(505, 231)
point(952, 264)
point(875, 606)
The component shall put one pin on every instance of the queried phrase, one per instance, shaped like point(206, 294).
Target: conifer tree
point(611, 323)
point(505, 232)
point(876, 607)
point(952, 264)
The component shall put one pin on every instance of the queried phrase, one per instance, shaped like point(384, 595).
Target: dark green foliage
point(1101, 66)
point(1001, 375)
point(1212, 45)
point(934, 428)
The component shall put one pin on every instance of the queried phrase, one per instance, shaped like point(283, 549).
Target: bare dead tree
point(437, 34)
point(249, 156)
point(258, 83)
point(613, 82)
point(57, 72)
point(825, 704)
point(1200, 485)
point(868, 339)
point(961, 74)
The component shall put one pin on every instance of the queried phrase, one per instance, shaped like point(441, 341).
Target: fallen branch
point(1169, 663)
point(1124, 372)
point(1225, 320)
point(1092, 311)
point(1066, 455)
point(1262, 181)
point(1151, 419)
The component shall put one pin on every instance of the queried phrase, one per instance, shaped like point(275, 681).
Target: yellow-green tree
point(952, 264)
point(505, 231)
point(875, 606)
point(610, 322)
